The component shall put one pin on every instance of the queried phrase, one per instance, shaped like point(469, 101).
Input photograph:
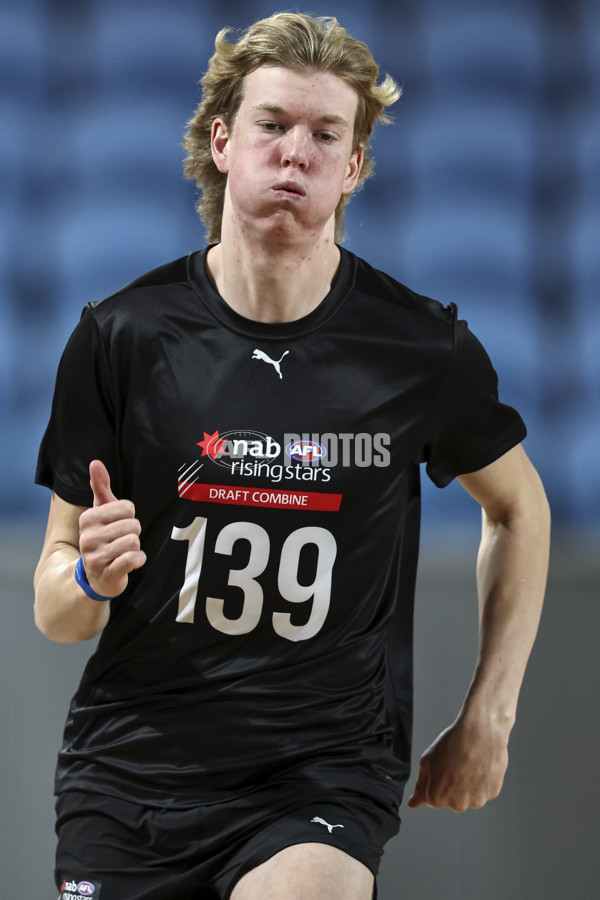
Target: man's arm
point(107, 536)
point(465, 766)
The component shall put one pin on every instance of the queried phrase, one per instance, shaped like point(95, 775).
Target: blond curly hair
point(299, 42)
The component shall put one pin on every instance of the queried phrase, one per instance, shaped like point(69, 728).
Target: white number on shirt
point(242, 578)
point(319, 591)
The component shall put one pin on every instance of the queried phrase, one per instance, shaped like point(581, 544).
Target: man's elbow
point(529, 501)
point(526, 511)
point(538, 505)
point(63, 629)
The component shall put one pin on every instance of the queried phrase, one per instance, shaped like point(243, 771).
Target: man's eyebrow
point(327, 118)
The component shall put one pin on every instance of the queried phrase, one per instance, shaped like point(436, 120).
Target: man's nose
point(295, 149)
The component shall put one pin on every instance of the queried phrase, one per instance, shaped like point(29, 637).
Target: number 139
point(246, 579)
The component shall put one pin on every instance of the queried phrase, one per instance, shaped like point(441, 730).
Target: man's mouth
point(290, 187)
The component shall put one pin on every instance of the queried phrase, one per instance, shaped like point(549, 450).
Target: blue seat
point(585, 256)
point(154, 48)
point(585, 329)
point(459, 148)
point(23, 52)
point(470, 250)
point(586, 138)
point(478, 258)
point(489, 49)
point(9, 348)
point(590, 35)
point(100, 248)
point(130, 144)
point(16, 153)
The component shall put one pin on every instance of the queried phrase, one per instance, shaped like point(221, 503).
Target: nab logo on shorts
point(74, 890)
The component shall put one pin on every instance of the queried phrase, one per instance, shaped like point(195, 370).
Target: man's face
point(289, 155)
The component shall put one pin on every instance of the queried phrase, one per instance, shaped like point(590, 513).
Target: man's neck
point(273, 282)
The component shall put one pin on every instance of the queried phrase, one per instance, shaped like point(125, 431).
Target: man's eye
point(270, 126)
point(326, 136)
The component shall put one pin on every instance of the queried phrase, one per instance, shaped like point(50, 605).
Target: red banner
point(272, 498)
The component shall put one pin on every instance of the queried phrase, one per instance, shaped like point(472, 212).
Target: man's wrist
point(82, 580)
point(484, 712)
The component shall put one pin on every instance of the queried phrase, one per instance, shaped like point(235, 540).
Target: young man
point(243, 729)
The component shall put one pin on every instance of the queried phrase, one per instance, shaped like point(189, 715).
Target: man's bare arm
point(465, 766)
point(107, 536)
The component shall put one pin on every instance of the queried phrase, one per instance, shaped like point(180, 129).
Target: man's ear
point(353, 170)
point(219, 145)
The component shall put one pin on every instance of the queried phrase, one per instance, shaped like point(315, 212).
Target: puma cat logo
point(326, 824)
point(259, 354)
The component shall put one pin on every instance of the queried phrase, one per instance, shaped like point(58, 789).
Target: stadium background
point(486, 192)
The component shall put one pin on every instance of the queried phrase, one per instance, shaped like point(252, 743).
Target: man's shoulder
point(146, 299)
point(375, 284)
point(170, 274)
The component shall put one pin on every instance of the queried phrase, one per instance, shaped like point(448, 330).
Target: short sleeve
point(470, 427)
point(82, 420)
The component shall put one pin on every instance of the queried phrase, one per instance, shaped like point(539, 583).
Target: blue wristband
point(81, 579)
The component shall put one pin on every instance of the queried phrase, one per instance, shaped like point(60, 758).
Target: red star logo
point(212, 444)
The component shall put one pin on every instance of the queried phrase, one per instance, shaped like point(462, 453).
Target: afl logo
point(305, 451)
point(86, 888)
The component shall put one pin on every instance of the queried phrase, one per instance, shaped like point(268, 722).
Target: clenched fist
point(463, 768)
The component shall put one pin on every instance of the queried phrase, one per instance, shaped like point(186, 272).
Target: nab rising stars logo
point(307, 457)
point(252, 453)
point(73, 890)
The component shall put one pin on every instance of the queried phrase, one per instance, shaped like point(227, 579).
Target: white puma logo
point(327, 825)
point(259, 354)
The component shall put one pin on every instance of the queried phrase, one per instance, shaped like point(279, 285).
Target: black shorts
point(111, 849)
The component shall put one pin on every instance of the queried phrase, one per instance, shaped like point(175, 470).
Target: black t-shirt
point(275, 472)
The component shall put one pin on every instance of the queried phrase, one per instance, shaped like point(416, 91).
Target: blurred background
point(486, 193)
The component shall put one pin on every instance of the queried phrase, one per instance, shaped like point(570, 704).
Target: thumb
point(419, 791)
point(100, 483)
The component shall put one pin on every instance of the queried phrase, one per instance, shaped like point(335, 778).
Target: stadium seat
point(470, 249)
point(585, 257)
point(585, 315)
point(590, 32)
point(478, 258)
point(23, 52)
point(156, 49)
point(486, 149)
point(9, 348)
point(491, 49)
point(14, 146)
point(100, 248)
point(586, 141)
point(130, 145)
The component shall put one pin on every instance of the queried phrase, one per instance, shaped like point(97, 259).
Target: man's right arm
point(107, 536)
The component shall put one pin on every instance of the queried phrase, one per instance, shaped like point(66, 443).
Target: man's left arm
point(465, 766)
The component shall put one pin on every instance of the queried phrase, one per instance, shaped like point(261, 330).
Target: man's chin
point(287, 225)
point(283, 226)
